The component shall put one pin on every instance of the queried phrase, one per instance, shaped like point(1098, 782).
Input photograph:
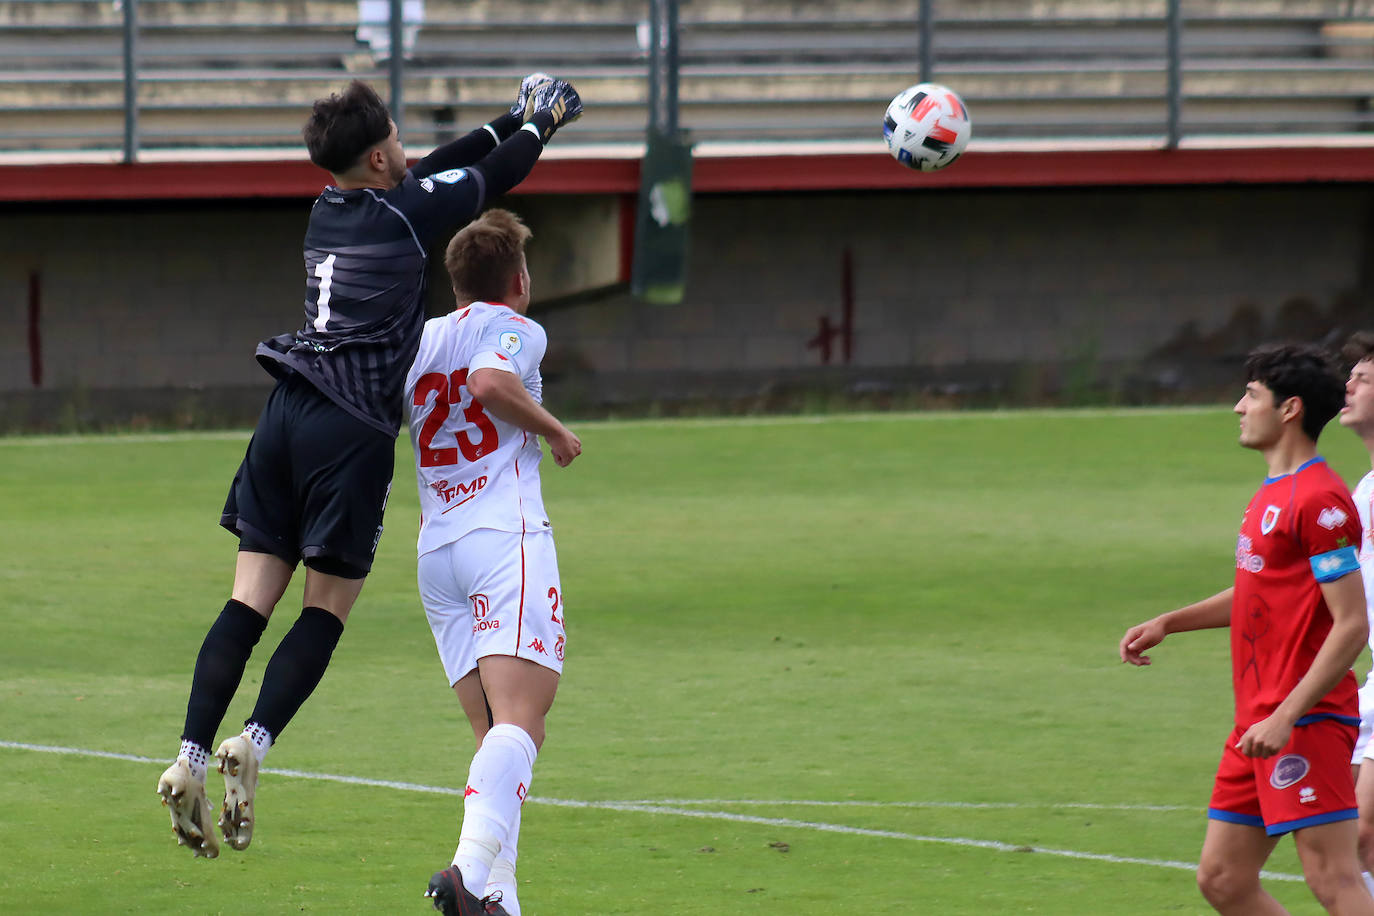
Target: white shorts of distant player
point(494, 593)
point(1362, 743)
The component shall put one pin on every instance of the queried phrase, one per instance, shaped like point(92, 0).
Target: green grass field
point(845, 664)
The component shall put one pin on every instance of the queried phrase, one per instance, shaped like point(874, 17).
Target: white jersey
point(1363, 498)
point(473, 469)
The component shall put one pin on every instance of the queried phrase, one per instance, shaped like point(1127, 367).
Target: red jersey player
point(1297, 619)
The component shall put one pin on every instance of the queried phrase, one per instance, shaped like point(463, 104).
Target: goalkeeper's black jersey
point(366, 258)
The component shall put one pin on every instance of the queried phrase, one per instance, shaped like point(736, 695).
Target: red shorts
point(1305, 784)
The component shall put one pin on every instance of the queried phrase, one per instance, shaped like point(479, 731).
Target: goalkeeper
point(314, 480)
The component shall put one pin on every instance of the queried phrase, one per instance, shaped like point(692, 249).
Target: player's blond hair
point(485, 254)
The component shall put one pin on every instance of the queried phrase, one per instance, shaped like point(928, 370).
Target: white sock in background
point(502, 876)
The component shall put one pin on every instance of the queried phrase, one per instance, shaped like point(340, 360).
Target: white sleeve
point(511, 343)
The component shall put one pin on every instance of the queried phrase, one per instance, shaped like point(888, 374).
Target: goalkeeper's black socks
point(219, 668)
point(296, 668)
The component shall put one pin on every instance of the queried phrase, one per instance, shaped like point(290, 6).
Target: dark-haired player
point(1297, 619)
point(314, 480)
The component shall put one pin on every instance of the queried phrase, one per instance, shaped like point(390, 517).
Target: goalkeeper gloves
point(559, 101)
point(523, 108)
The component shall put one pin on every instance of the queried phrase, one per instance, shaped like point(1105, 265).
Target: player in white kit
point(1358, 416)
point(487, 570)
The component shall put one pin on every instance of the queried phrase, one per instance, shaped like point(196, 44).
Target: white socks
point(498, 781)
point(260, 738)
point(502, 876)
point(197, 756)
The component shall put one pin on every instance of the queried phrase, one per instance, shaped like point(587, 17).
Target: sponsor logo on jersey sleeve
point(1269, 519)
point(511, 343)
point(1332, 517)
point(452, 176)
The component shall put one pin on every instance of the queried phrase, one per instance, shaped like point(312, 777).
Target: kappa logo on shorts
point(1288, 769)
point(537, 645)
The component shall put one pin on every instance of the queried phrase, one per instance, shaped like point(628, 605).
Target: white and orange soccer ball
point(927, 127)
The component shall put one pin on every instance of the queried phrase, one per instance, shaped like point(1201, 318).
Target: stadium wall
point(127, 312)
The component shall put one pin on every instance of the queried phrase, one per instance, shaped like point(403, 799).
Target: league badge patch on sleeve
point(452, 176)
point(511, 343)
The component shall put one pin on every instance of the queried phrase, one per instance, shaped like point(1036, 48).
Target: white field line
point(773, 802)
point(1084, 413)
point(674, 807)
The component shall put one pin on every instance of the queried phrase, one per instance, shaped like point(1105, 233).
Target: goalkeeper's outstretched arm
point(551, 105)
point(472, 146)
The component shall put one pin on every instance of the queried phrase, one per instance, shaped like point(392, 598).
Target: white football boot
point(239, 765)
point(184, 796)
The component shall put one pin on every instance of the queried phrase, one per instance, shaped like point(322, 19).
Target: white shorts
point(494, 593)
point(1362, 748)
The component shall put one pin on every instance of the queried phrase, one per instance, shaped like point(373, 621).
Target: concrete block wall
point(173, 298)
point(149, 296)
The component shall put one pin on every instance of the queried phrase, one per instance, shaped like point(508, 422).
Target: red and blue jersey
point(1299, 531)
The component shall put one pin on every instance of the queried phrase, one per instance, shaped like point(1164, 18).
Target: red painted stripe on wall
point(35, 329)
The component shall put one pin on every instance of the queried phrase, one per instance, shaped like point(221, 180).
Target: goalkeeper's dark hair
point(483, 256)
point(344, 126)
point(1302, 371)
point(1358, 348)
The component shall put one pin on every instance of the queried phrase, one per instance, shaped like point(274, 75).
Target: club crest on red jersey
point(1269, 519)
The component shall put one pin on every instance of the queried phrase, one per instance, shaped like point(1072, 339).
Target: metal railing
point(123, 77)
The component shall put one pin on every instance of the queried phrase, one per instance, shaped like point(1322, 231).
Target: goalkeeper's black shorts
point(313, 483)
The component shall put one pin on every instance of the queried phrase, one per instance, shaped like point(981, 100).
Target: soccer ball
point(927, 127)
